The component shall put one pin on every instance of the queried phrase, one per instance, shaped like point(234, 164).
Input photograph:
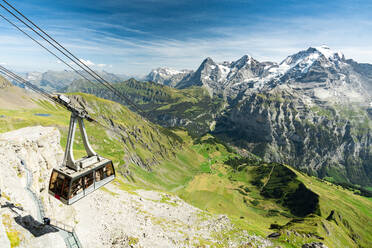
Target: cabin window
point(76, 187)
point(57, 182)
point(88, 180)
point(53, 181)
point(104, 172)
point(99, 174)
point(109, 170)
point(65, 188)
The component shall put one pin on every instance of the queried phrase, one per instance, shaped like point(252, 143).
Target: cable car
point(76, 179)
point(69, 186)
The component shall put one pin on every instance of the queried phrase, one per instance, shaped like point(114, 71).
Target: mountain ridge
point(229, 79)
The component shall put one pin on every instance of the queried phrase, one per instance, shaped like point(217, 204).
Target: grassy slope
point(216, 187)
point(162, 102)
point(198, 174)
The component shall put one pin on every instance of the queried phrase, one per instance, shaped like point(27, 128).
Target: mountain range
point(312, 110)
point(319, 73)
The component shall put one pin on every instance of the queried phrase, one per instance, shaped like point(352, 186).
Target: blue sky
point(134, 36)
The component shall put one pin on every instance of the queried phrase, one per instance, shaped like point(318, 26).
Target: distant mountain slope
point(12, 97)
point(167, 76)
point(328, 141)
point(58, 80)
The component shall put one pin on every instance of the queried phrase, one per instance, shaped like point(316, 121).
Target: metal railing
point(62, 226)
point(72, 240)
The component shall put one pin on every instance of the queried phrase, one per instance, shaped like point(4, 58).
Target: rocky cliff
point(328, 141)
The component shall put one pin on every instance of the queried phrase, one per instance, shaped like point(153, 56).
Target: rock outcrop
point(314, 245)
point(4, 83)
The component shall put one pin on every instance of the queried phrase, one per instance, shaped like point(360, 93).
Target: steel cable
point(74, 59)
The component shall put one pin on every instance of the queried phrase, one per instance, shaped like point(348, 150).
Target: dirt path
point(268, 179)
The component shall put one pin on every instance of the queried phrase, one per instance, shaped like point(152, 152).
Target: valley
point(185, 124)
point(203, 172)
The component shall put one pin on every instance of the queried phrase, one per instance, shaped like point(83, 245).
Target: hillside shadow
point(28, 222)
point(36, 228)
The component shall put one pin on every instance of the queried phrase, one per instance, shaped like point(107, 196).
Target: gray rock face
point(281, 126)
point(217, 78)
point(314, 245)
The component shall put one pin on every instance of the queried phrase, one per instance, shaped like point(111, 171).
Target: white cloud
point(271, 39)
point(3, 63)
point(87, 62)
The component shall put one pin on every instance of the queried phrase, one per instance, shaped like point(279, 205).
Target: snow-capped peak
point(303, 60)
point(166, 71)
point(328, 53)
point(246, 59)
point(165, 75)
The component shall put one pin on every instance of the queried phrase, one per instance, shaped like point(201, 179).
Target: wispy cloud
point(87, 62)
point(134, 37)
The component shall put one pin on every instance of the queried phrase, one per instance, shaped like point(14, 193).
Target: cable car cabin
point(69, 186)
point(77, 178)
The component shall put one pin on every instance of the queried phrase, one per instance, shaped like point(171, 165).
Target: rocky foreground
point(117, 216)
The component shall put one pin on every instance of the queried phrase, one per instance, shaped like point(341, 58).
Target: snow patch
point(224, 71)
point(328, 53)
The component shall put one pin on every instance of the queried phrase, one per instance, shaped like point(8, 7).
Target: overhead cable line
point(48, 50)
point(70, 56)
point(57, 43)
point(40, 35)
